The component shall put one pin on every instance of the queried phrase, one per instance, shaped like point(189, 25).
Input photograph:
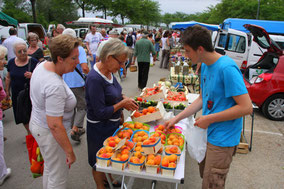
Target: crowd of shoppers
point(62, 96)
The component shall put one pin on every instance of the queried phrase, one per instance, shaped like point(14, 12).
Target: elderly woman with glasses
point(34, 50)
point(19, 73)
point(105, 101)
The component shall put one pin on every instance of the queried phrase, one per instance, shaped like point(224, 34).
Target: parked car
point(265, 79)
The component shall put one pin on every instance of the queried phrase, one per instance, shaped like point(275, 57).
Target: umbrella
point(6, 20)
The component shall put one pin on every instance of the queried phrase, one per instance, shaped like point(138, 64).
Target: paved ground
point(263, 168)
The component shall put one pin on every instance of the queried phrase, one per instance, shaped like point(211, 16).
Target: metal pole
point(257, 14)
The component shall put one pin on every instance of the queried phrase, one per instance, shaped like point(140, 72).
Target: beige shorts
point(215, 166)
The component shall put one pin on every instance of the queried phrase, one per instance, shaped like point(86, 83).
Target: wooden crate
point(243, 147)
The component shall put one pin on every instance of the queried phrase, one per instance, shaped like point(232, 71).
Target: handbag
point(35, 157)
point(24, 104)
point(133, 68)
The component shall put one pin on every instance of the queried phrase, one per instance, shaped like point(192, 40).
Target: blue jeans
point(93, 62)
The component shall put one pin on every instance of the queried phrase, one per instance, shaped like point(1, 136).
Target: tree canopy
point(146, 12)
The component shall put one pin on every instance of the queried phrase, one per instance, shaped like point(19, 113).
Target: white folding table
point(178, 178)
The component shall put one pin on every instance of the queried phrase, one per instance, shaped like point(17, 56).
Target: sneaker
point(9, 171)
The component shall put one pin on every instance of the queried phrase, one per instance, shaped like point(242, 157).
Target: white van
point(25, 28)
point(240, 46)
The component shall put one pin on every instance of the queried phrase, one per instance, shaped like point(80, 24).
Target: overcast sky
point(186, 6)
point(172, 6)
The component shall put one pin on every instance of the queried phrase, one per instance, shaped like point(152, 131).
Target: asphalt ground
point(262, 168)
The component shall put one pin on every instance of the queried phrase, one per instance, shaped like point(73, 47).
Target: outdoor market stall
point(177, 178)
point(163, 141)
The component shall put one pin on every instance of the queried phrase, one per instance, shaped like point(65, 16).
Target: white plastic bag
point(196, 139)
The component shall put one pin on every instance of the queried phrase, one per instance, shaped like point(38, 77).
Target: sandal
point(75, 136)
point(115, 183)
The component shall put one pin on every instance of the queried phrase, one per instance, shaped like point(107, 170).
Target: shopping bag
point(196, 139)
point(35, 157)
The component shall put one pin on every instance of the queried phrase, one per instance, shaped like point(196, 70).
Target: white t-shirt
point(50, 96)
point(165, 46)
point(94, 40)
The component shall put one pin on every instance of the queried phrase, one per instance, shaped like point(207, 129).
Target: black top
point(38, 54)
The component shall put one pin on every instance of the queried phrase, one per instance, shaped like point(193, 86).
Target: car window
point(22, 33)
point(263, 41)
point(222, 40)
point(236, 43)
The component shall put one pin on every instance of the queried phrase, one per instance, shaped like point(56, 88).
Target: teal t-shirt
point(219, 83)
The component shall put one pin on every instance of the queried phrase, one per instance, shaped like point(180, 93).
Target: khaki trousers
point(215, 166)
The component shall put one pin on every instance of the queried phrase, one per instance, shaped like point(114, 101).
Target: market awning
point(184, 25)
point(6, 20)
point(97, 21)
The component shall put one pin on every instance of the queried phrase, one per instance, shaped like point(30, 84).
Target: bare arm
point(243, 107)
point(88, 48)
point(85, 68)
point(58, 131)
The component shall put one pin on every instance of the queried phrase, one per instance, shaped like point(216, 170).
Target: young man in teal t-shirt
point(224, 100)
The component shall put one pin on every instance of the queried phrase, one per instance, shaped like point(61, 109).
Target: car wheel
point(273, 107)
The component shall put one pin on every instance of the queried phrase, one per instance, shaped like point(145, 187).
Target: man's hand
point(170, 123)
point(70, 158)
point(203, 122)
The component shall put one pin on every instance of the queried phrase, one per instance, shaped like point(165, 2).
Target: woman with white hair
point(20, 71)
point(34, 50)
point(105, 101)
point(4, 171)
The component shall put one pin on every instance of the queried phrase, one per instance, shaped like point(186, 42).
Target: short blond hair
point(113, 47)
point(62, 46)
point(3, 50)
point(32, 35)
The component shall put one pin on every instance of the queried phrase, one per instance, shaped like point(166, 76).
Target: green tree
point(100, 5)
point(17, 9)
point(33, 9)
point(84, 5)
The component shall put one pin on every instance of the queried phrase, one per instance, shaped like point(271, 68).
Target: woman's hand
point(70, 158)
point(130, 104)
point(28, 74)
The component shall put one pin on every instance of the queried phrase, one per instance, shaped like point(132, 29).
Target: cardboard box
point(158, 96)
point(159, 114)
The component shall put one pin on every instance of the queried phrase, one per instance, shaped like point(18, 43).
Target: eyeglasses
point(120, 63)
point(22, 51)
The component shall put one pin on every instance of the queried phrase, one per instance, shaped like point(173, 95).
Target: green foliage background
point(146, 12)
